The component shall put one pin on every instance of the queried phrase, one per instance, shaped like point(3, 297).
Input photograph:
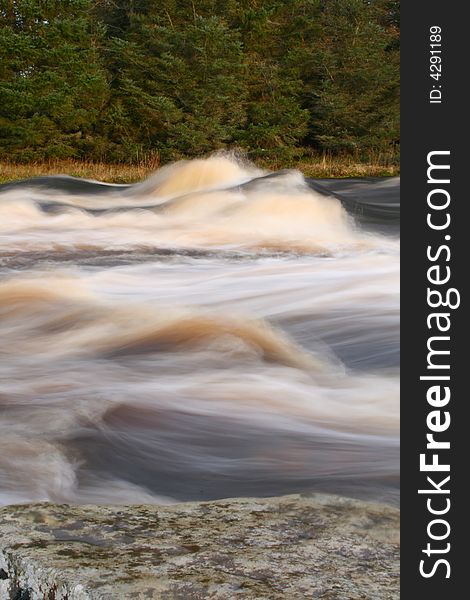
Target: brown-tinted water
point(208, 333)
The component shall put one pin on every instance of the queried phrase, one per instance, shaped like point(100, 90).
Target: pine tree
point(355, 64)
point(124, 79)
point(177, 84)
point(53, 87)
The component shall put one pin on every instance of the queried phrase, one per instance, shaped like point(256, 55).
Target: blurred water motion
point(213, 331)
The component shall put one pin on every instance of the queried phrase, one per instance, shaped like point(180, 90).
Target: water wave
point(215, 203)
point(213, 331)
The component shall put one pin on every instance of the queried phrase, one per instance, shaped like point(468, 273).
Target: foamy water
point(214, 331)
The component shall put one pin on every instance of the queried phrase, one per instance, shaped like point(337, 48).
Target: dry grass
point(377, 164)
point(328, 166)
point(113, 173)
point(323, 166)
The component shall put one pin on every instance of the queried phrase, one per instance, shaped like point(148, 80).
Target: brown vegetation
point(321, 166)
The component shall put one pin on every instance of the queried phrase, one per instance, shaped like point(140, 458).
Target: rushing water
point(213, 331)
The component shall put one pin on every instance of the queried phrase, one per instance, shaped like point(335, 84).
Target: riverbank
point(294, 547)
point(324, 166)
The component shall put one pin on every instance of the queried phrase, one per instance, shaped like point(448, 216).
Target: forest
point(127, 80)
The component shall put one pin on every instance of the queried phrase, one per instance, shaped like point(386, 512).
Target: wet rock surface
point(290, 547)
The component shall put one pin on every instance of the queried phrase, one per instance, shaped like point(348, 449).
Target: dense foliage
point(122, 80)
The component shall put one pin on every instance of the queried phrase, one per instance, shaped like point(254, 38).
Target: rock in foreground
point(291, 547)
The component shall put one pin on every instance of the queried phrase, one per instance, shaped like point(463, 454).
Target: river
point(213, 331)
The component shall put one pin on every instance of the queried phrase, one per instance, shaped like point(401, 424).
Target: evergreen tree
point(52, 84)
point(276, 121)
point(355, 102)
point(178, 88)
point(124, 79)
